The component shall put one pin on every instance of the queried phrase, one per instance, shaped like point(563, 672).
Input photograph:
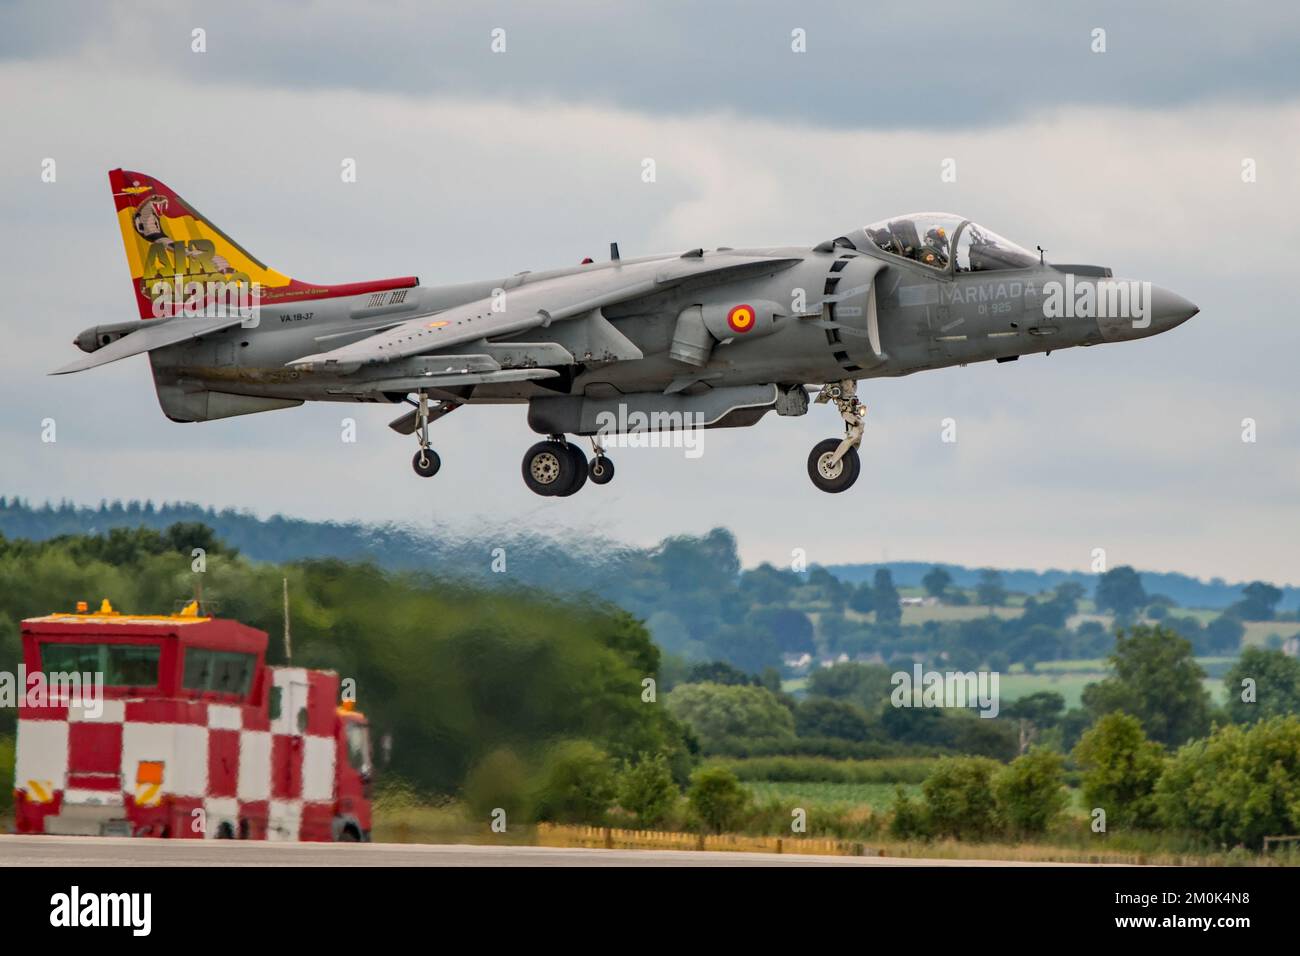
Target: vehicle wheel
point(547, 468)
point(601, 470)
point(225, 831)
point(833, 478)
point(579, 478)
point(426, 462)
point(349, 835)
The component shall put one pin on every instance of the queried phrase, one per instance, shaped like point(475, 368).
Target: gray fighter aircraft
point(699, 338)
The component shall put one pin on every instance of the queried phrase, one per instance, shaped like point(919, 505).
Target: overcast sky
point(473, 164)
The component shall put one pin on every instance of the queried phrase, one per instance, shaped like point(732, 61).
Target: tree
point(646, 789)
point(829, 588)
point(866, 685)
point(1262, 684)
point(750, 649)
point(718, 672)
point(715, 712)
point(1223, 635)
point(1258, 603)
point(989, 590)
point(959, 797)
point(821, 717)
point(885, 598)
point(908, 819)
point(1120, 591)
point(576, 785)
point(1031, 792)
point(863, 599)
point(1120, 770)
point(1238, 785)
point(717, 799)
point(1036, 712)
point(1068, 594)
point(791, 629)
point(1156, 679)
point(498, 781)
point(765, 584)
point(936, 582)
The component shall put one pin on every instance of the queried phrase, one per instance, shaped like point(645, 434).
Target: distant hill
point(559, 564)
point(535, 560)
point(1187, 591)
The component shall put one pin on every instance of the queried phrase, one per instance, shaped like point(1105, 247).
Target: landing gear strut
point(426, 461)
point(601, 468)
point(833, 464)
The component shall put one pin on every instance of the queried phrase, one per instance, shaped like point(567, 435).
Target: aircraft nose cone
point(1169, 309)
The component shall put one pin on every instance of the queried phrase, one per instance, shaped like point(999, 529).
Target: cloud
point(941, 65)
point(1135, 448)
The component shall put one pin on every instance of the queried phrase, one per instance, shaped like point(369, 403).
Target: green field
point(1257, 632)
point(946, 613)
point(1070, 684)
point(877, 796)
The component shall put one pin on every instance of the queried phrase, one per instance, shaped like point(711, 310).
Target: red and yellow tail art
point(176, 254)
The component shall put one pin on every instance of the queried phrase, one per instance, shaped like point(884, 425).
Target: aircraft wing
point(538, 304)
point(152, 334)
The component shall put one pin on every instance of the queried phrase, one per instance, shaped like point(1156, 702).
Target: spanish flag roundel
point(741, 318)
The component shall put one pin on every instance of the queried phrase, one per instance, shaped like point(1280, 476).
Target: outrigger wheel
point(554, 468)
point(426, 462)
point(601, 470)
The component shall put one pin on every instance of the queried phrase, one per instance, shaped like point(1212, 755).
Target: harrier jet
point(698, 338)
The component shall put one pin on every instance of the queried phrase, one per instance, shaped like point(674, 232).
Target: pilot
point(935, 251)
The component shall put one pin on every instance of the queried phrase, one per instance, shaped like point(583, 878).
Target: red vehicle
point(192, 735)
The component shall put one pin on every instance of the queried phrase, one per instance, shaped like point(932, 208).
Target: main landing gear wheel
point(830, 475)
point(426, 462)
point(579, 472)
point(601, 470)
point(553, 468)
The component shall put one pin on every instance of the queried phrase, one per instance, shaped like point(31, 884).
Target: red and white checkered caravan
point(193, 735)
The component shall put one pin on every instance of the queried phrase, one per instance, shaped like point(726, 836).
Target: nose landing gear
point(833, 464)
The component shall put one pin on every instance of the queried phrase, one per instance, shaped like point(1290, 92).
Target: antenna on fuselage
point(1041, 250)
point(613, 252)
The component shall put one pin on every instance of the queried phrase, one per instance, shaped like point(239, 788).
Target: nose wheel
point(831, 472)
point(833, 464)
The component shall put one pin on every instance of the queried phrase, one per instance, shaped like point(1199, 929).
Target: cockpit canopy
point(942, 241)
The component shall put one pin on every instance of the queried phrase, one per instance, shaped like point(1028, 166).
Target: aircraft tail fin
point(180, 259)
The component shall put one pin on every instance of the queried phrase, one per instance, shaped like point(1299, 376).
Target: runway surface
point(21, 851)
